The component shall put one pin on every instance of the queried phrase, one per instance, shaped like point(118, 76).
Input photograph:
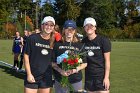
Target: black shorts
point(44, 82)
point(94, 83)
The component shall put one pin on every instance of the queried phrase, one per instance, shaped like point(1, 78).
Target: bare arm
point(107, 70)
point(57, 68)
point(107, 64)
point(21, 44)
point(30, 77)
point(22, 41)
point(82, 66)
point(13, 47)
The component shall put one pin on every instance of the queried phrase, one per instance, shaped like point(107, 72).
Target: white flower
point(80, 60)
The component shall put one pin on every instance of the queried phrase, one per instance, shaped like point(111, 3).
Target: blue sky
point(44, 1)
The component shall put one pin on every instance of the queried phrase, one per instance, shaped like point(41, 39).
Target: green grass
point(125, 72)
point(125, 68)
point(6, 51)
point(10, 81)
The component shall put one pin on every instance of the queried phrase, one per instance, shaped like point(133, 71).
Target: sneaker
point(20, 70)
point(81, 91)
point(17, 69)
point(14, 68)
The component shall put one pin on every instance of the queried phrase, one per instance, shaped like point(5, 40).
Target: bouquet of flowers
point(69, 60)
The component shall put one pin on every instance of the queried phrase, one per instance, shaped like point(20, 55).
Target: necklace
point(45, 36)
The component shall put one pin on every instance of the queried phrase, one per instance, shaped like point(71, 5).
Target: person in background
point(17, 49)
point(57, 33)
point(69, 42)
point(98, 59)
point(37, 30)
point(30, 33)
point(26, 35)
point(38, 59)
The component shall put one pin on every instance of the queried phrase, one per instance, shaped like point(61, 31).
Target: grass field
point(125, 68)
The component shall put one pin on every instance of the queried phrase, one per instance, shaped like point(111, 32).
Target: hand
point(106, 83)
point(64, 73)
point(20, 45)
point(69, 72)
point(30, 78)
point(74, 71)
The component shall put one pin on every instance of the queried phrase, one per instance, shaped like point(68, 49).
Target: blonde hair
point(52, 37)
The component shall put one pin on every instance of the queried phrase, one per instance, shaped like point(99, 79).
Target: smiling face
point(48, 27)
point(90, 29)
point(69, 32)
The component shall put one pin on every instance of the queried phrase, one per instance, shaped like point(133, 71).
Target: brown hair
point(57, 28)
point(52, 39)
point(75, 39)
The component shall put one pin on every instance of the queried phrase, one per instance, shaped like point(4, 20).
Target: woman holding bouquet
point(37, 55)
point(68, 44)
point(98, 59)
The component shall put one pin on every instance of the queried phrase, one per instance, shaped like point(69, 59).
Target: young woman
point(17, 49)
point(38, 53)
point(69, 43)
point(98, 59)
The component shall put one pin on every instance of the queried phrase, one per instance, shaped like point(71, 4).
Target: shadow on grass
point(12, 72)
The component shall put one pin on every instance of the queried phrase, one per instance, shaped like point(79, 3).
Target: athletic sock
point(14, 63)
point(17, 62)
point(20, 64)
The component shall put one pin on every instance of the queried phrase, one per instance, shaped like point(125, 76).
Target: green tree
point(66, 9)
point(47, 9)
point(101, 10)
point(11, 12)
point(6, 12)
point(73, 11)
point(119, 11)
point(59, 11)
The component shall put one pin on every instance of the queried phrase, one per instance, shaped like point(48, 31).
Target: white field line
point(7, 64)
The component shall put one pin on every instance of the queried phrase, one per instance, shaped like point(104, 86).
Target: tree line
point(115, 18)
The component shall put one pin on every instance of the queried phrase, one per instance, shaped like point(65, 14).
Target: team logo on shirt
point(44, 52)
point(42, 45)
point(92, 47)
point(90, 53)
point(68, 47)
